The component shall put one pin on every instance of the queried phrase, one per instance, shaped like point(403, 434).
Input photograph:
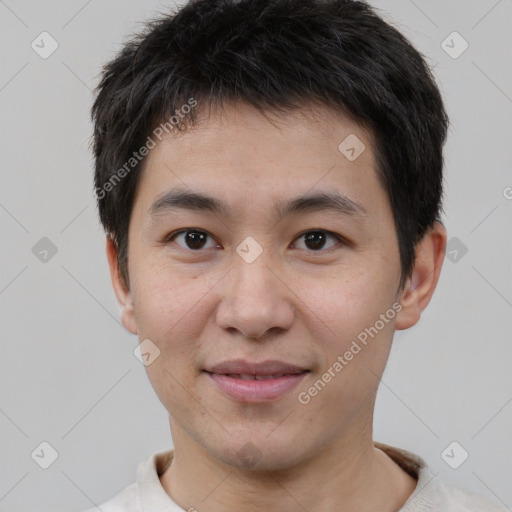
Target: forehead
point(243, 156)
point(312, 127)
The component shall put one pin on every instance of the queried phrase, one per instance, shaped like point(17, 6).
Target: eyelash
point(339, 238)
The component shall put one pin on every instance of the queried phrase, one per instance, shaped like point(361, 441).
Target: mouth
point(256, 377)
point(243, 381)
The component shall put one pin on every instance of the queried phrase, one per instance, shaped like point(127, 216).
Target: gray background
point(68, 375)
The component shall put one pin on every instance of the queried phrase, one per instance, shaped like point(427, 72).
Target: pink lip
point(226, 376)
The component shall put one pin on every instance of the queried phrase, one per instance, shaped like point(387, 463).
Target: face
point(281, 274)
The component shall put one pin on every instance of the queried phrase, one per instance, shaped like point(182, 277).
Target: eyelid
point(341, 239)
point(178, 232)
point(184, 230)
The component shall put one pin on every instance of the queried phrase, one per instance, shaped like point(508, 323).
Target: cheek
point(172, 310)
point(168, 312)
point(351, 302)
point(162, 296)
point(350, 310)
point(353, 352)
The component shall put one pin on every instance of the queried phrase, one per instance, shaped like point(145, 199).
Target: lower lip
point(254, 391)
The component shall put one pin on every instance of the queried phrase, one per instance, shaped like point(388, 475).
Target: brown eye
point(316, 240)
point(192, 239)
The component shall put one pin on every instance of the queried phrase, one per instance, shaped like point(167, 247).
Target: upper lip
point(264, 368)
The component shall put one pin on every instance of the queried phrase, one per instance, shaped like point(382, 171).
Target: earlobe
point(123, 294)
point(423, 281)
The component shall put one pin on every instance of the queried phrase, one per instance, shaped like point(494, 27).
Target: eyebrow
point(336, 202)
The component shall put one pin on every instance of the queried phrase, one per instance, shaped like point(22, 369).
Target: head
point(300, 144)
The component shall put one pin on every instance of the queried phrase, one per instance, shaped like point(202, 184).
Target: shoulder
point(432, 494)
point(146, 493)
point(460, 500)
point(124, 501)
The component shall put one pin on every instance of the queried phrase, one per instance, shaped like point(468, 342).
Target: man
point(269, 176)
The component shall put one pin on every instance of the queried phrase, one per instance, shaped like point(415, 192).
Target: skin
point(293, 303)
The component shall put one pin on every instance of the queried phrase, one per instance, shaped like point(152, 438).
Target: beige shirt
point(431, 494)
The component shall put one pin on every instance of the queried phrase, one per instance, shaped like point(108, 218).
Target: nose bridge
point(255, 299)
point(253, 281)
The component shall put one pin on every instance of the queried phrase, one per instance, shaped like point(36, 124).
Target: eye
point(193, 239)
point(314, 240)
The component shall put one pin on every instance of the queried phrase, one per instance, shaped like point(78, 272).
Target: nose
point(255, 300)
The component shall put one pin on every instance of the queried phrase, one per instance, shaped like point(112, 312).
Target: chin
point(259, 453)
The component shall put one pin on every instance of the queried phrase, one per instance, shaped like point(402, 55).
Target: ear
point(123, 294)
point(423, 281)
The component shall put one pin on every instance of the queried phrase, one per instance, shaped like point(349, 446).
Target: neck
point(351, 475)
